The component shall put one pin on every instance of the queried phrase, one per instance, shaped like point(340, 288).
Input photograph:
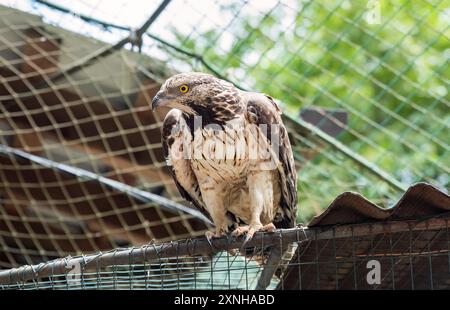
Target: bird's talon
point(247, 239)
point(209, 235)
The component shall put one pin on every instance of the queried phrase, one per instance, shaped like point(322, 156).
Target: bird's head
point(196, 92)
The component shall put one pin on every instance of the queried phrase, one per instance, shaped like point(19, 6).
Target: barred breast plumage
point(225, 155)
point(214, 164)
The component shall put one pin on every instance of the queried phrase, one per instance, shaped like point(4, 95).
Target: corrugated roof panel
point(409, 259)
point(420, 200)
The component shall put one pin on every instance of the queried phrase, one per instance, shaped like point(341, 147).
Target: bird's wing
point(262, 109)
point(175, 138)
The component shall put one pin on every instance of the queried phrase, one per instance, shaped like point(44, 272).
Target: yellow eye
point(184, 88)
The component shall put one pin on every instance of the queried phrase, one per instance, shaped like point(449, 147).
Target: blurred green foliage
point(391, 77)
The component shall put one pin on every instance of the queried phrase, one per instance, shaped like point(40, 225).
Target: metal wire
point(323, 265)
point(389, 77)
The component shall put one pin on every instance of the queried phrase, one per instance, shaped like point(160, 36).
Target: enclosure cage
point(86, 199)
point(352, 245)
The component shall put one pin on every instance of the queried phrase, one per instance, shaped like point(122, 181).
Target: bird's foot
point(268, 228)
point(251, 229)
point(239, 231)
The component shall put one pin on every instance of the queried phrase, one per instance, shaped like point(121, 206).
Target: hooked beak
point(161, 100)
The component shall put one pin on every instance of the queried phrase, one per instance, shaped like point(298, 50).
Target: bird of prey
point(229, 153)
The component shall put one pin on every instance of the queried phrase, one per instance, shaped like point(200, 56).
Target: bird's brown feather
point(210, 185)
point(262, 109)
point(174, 129)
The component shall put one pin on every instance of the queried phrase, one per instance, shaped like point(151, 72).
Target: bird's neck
point(219, 108)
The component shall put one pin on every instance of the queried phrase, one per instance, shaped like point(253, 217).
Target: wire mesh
point(167, 274)
point(393, 255)
point(98, 120)
point(385, 64)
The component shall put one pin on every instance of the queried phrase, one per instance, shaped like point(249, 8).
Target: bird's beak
point(160, 100)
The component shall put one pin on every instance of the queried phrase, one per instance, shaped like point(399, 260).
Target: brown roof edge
point(420, 200)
